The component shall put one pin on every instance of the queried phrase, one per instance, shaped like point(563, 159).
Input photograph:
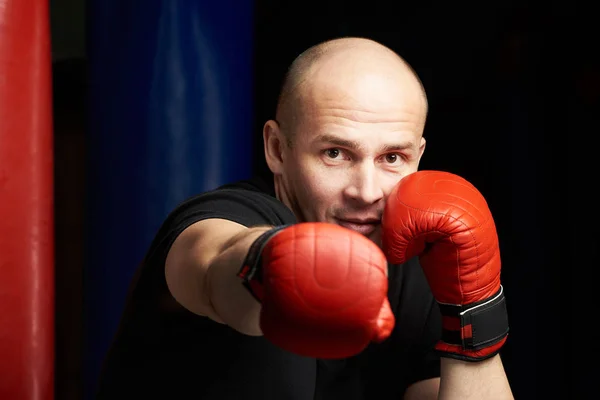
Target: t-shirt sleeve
point(246, 207)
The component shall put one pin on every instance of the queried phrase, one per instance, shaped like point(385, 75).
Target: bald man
point(212, 313)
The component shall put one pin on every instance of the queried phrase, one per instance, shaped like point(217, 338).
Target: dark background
point(513, 90)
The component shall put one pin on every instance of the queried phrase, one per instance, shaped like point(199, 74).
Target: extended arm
point(204, 273)
point(201, 273)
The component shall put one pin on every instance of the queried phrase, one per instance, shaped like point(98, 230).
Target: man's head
point(349, 125)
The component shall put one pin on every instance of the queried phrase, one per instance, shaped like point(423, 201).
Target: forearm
point(473, 380)
point(231, 301)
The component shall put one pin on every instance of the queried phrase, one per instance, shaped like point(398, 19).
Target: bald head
point(359, 65)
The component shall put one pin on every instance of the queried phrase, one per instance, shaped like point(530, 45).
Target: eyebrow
point(354, 145)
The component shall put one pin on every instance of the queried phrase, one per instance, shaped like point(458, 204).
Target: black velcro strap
point(478, 325)
point(251, 270)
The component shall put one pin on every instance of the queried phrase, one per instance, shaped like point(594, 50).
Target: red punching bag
point(26, 203)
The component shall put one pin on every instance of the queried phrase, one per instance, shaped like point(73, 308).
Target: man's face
point(349, 152)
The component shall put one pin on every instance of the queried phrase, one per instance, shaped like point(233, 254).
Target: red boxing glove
point(443, 219)
point(323, 289)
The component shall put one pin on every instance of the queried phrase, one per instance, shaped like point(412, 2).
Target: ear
point(273, 143)
point(422, 147)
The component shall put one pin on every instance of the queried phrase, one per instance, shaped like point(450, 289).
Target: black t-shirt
point(164, 351)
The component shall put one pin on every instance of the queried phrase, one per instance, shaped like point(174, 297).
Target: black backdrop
point(513, 91)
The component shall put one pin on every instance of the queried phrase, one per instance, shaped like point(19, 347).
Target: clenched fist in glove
point(322, 287)
point(445, 221)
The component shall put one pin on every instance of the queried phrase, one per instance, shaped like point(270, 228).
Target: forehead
point(369, 81)
point(362, 98)
point(364, 114)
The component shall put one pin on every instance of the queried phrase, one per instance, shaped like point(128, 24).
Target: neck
point(283, 195)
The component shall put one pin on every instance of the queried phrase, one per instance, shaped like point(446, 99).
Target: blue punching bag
point(170, 116)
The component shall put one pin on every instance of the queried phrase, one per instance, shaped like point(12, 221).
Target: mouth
point(363, 226)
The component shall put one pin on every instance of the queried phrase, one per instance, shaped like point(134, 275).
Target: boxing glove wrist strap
point(476, 327)
point(251, 270)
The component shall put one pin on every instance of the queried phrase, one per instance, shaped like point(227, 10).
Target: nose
point(364, 187)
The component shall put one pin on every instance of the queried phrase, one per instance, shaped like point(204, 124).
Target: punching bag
point(26, 199)
point(170, 116)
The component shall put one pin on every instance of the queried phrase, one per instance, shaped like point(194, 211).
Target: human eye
point(335, 156)
point(393, 158)
point(333, 153)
